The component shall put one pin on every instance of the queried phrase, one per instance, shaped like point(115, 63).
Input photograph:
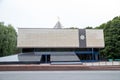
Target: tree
point(112, 38)
point(8, 39)
point(73, 28)
point(89, 27)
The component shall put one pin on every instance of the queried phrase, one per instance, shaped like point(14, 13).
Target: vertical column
point(46, 58)
point(92, 54)
point(21, 50)
point(96, 56)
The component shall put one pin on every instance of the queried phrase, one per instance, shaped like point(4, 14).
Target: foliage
point(8, 39)
point(89, 27)
point(112, 38)
point(73, 28)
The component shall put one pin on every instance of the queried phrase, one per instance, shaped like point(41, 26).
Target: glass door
point(45, 58)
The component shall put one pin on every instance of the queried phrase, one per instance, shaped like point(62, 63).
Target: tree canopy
point(112, 38)
point(8, 39)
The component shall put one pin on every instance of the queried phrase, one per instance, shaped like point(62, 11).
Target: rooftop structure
point(58, 25)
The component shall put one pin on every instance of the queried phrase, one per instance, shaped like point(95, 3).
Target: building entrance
point(45, 58)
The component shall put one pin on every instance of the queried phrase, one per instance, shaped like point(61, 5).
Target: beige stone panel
point(94, 38)
point(37, 37)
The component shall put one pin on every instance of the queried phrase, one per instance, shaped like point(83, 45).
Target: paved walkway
point(60, 75)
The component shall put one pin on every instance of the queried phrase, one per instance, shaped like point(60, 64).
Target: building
point(48, 45)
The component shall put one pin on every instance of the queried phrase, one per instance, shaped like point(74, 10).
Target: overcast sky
point(44, 13)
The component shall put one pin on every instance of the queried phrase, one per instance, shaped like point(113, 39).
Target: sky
point(45, 13)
